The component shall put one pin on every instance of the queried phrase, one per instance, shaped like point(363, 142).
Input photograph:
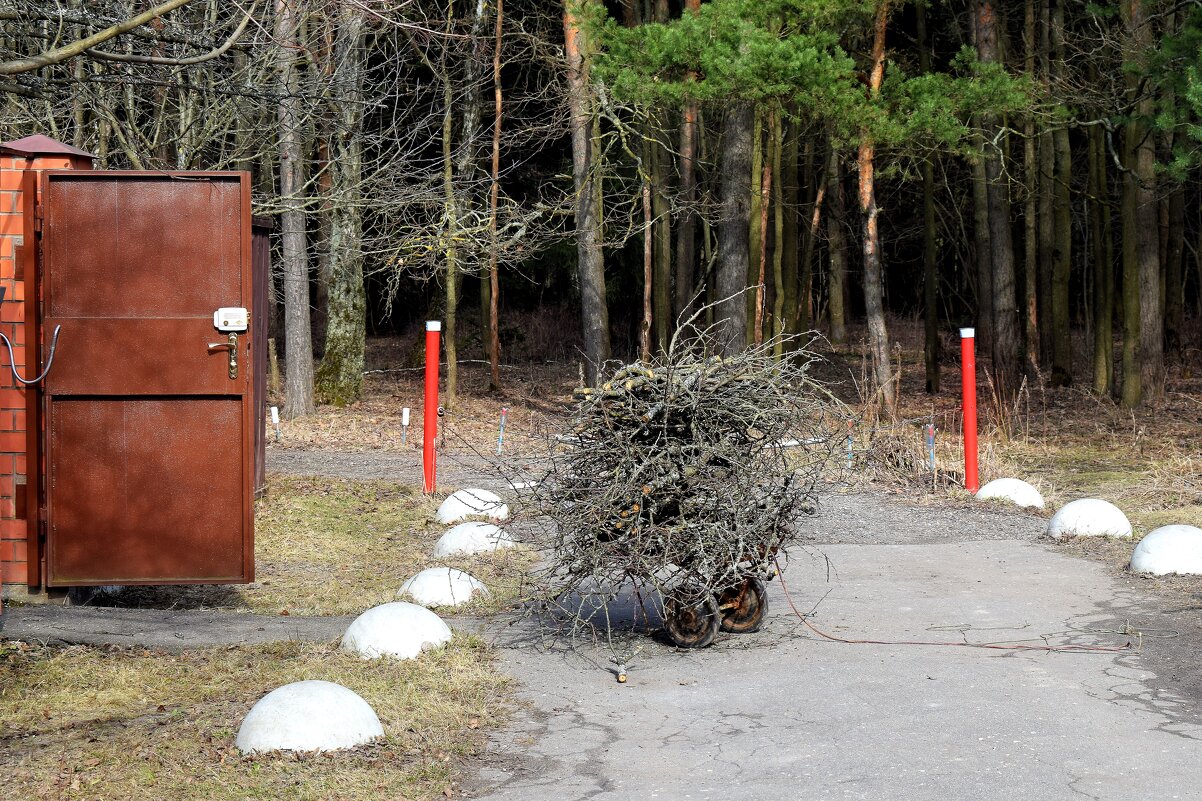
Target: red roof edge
point(39, 145)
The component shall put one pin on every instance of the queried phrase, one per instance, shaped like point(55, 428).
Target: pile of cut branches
point(686, 476)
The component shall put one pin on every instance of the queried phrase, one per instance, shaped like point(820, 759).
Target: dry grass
point(1068, 442)
point(85, 723)
point(330, 546)
point(536, 397)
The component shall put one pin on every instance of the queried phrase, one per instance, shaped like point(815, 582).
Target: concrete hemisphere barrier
point(471, 538)
point(1014, 490)
point(1089, 517)
point(398, 629)
point(441, 586)
point(1169, 549)
point(308, 716)
point(469, 504)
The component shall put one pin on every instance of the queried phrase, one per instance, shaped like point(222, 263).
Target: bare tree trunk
point(733, 227)
point(1142, 185)
point(778, 232)
point(790, 266)
point(494, 288)
point(648, 278)
point(837, 246)
point(1006, 368)
point(1062, 352)
point(755, 223)
point(930, 275)
point(686, 230)
point(811, 241)
point(661, 164)
point(1047, 212)
point(984, 250)
point(1174, 261)
point(1132, 388)
point(298, 384)
point(874, 308)
point(1103, 259)
point(590, 258)
point(340, 377)
point(760, 284)
point(1030, 302)
point(661, 235)
point(450, 248)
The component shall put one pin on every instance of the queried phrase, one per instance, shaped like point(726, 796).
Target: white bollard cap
point(433, 325)
point(405, 416)
point(967, 333)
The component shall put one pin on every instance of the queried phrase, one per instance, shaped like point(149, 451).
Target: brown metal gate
point(148, 434)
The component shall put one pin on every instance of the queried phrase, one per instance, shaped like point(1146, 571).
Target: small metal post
point(968, 385)
point(430, 410)
point(501, 432)
point(404, 425)
point(850, 453)
point(931, 444)
point(275, 421)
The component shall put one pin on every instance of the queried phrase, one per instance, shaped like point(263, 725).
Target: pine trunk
point(930, 276)
point(734, 227)
point(1062, 241)
point(1103, 266)
point(874, 307)
point(1005, 340)
point(590, 258)
point(837, 247)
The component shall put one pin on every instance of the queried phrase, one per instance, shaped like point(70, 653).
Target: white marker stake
point(404, 424)
point(275, 421)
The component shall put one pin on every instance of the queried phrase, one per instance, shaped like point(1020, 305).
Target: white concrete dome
point(441, 586)
point(396, 629)
point(473, 537)
point(308, 716)
point(466, 504)
point(1018, 492)
point(1089, 517)
point(1169, 549)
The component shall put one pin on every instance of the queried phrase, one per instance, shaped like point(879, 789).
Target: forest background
point(1026, 168)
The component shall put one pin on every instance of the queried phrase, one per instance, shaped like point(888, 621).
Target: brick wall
point(14, 550)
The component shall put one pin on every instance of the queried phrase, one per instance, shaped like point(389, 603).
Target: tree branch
point(60, 54)
point(133, 58)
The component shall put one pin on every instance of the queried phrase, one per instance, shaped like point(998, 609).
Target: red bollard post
point(968, 384)
point(430, 410)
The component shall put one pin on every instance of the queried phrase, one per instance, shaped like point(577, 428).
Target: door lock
point(232, 347)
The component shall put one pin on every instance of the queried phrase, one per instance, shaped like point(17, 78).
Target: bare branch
point(60, 54)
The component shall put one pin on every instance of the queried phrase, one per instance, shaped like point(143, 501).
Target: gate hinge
point(37, 219)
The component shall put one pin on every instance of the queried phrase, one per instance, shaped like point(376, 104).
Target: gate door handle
point(232, 347)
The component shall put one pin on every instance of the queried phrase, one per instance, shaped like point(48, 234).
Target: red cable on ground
point(987, 646)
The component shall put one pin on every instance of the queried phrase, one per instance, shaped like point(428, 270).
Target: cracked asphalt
point(785, 715)
point(782, 714)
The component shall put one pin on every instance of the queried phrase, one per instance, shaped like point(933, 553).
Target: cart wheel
point(743, 606)
point(692, 624)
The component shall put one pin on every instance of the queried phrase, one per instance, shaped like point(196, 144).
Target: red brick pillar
point(19, 160)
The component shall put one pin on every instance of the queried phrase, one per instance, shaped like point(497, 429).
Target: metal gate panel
point(148, 441)
point(165, 513)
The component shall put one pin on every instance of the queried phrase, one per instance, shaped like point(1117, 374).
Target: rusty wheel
point(691, 623)
point(743, 606)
